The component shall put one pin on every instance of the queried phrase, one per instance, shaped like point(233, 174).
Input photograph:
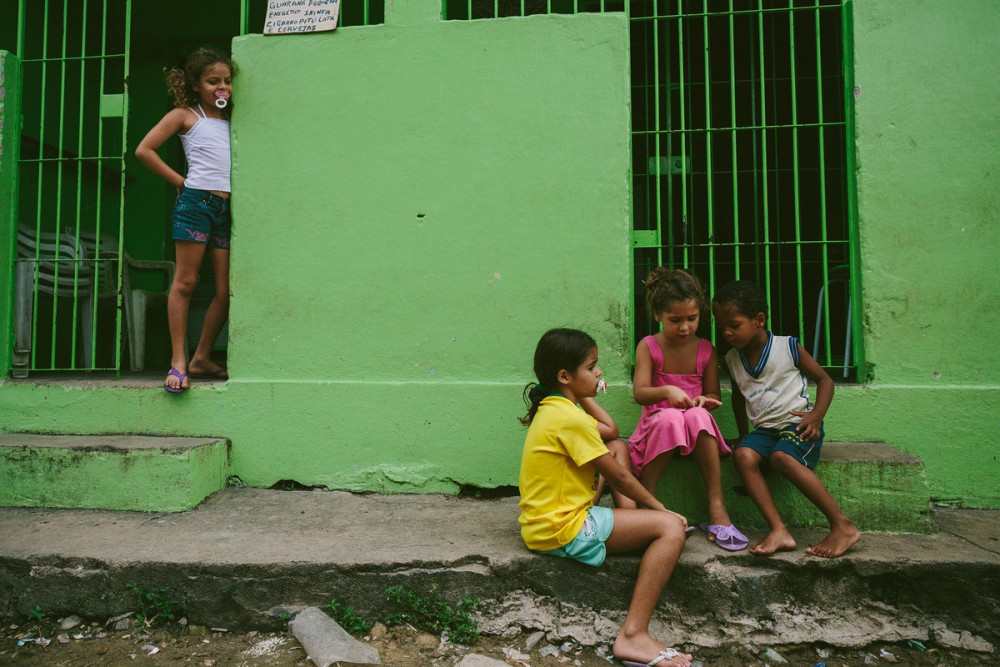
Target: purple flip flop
point(726, 537)
point(180, 376)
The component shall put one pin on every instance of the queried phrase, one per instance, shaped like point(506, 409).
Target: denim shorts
point(766, 441)
point(201, 217)
point(588, 545)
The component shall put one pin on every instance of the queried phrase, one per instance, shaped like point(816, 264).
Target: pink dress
point(663, 428)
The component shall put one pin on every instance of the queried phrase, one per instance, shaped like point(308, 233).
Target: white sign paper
point(290, 16)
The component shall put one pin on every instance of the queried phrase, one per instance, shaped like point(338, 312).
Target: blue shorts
point(201, 217)
point(766, 441)
point(588, 545)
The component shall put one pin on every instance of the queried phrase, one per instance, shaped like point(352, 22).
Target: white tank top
point(206, 147)
point(775, 386)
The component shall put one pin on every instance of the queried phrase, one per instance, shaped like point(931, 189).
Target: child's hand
point(809, 427)
point(706, 402)
point(678, 399)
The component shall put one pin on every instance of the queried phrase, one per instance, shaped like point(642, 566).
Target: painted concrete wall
point(928, 146)
point(375, 349)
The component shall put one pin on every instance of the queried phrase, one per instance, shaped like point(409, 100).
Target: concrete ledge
point(878, 486)
point(246, 555)
point(124, 472)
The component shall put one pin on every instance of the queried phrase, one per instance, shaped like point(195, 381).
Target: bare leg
point(215, 317)
point(779, 539)
point(662, 534)
point(651, 473)
point(188, 256)
point(619, 450)
point(706, 455)
point(843, 533)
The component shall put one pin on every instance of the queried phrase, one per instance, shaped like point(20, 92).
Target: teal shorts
point(588, 545)
point(767, 441)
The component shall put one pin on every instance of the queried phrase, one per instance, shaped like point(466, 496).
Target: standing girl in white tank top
point(201, 217)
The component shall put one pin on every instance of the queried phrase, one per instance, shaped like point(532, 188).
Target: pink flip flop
point(726, 537)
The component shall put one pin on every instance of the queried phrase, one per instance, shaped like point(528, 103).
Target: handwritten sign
point(289, 16)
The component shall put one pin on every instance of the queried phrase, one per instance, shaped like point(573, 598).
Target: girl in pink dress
point(677, 384)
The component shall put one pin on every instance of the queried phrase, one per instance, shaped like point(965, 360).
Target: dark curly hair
point(182, 82)
point(558, 349)
point(744, 295)
point(664, 287)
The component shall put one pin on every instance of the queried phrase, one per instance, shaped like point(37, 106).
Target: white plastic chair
point(54, 265)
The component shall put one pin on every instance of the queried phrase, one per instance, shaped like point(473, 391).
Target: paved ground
point(247, 557)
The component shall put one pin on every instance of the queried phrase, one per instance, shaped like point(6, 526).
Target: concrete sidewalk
point(247, 556)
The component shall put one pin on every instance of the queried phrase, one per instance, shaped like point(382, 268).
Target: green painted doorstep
point(879, 487)
point(120, 472)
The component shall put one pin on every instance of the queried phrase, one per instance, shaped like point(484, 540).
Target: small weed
point(153, 604)
point(347, 618)
point(36, 614)
point(433, 614)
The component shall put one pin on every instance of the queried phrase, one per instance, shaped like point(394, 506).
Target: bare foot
point(778, 539)
point(837, 541)
point(642, 648)
point(208, 369)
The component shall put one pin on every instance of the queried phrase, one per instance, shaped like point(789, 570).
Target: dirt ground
point(92, 645)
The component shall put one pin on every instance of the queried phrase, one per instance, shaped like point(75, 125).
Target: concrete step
point(123, 472)
point(879, 487)
point(245, 558)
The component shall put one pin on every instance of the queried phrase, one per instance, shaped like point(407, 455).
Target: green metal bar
point(858, 347)
point(20, 33)
point(79, 183)
point(750, 12)
point(681, 62)
point(667, 68)
point(733, 149)
point(244, 17)
point(754, 126)
point(765, 217)
point(657, 178)
point(795, 173)
point(709, 185)
point(367, 14)
point(822, 183)
point(121, 188)
point(59, 191)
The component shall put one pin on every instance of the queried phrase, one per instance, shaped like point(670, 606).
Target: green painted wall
point(928, 143)
point(417, 202)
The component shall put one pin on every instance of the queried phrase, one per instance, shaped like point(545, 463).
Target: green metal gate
point(70, 206)
point(742, 153)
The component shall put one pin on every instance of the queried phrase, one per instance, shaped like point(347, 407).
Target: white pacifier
point(602, 386)
point(221, 99)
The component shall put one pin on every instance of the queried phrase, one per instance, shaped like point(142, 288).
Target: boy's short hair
point(744, 295)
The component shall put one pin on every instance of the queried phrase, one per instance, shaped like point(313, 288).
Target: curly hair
point(182, 82)
point(664, 287)
point(744, 295)
point(558, 350)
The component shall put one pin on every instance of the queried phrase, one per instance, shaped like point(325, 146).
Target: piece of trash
point(823, 653)
point(42, 641)
point(887, 655)
point(219, 629)
point(820, 664)
point(770, 655)
point(869, 658)
point(26, 640)
point(913, 643)
point(150, 649)
point(62, 638)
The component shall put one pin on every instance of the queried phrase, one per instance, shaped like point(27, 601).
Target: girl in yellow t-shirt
point(564, 457)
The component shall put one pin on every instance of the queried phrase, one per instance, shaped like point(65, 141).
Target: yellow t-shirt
point(558, 477)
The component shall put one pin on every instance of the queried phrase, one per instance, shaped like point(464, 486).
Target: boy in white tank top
point(769, 387)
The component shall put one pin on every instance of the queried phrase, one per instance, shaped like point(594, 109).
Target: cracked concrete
point(245, 556)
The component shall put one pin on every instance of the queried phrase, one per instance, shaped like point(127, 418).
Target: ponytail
point(558, 349)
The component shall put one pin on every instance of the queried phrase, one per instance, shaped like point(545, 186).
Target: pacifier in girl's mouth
point(602, 386)
point(221, 99)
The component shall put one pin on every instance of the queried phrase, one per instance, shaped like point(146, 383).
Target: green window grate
point(742, 161)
